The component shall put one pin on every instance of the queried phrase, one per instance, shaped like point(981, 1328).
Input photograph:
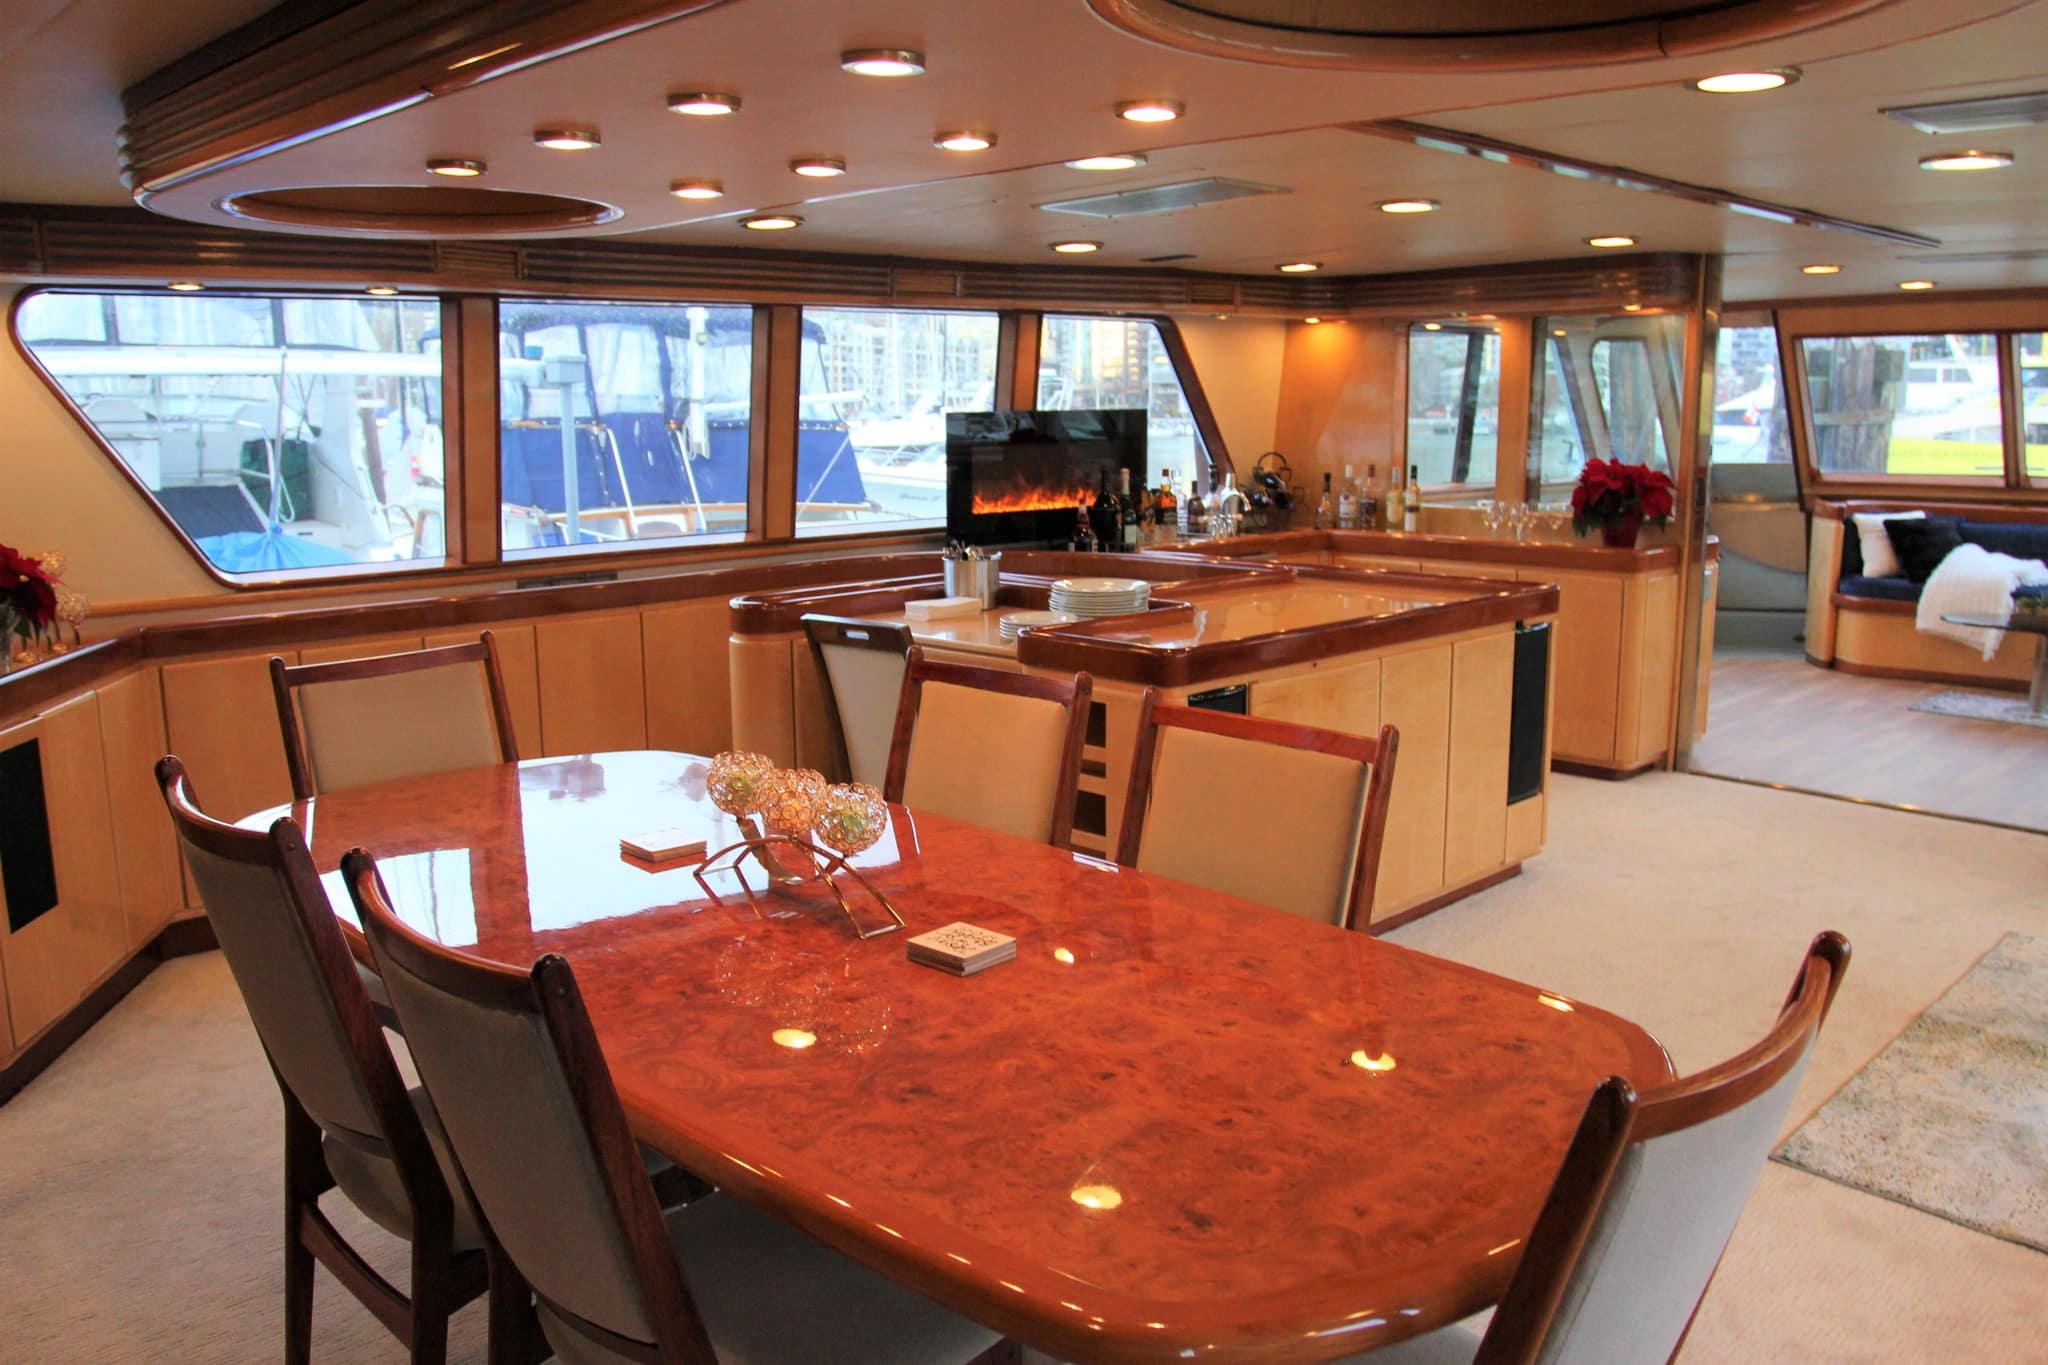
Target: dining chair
point(349, 1120)
point(1314, 826)
point(1644, 1203)
point(860, 667)
point(520, 1081)
point(356, 721)
point(993, 748)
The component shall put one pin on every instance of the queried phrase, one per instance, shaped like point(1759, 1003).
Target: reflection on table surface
point(1175, 1117)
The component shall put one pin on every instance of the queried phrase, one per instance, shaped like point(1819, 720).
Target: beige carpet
point(139, 1214)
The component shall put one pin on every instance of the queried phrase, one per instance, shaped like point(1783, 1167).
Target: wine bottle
point(1369, 499)
point(1326, 517)
point(1347, 501)
point(1198, 515)
point(1084, 534)
point(1411, 505)
point(1169, 507)
point(1127, 513)
point(1105, 517)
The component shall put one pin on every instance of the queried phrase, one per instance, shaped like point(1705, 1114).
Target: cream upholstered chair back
point(514, 1069)
point(359, 721)
point(860, 668)
point(1314, 808)
point(996, 749)
point(1649, 1195)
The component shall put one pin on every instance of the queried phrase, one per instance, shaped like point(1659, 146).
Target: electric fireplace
point(1016, 477)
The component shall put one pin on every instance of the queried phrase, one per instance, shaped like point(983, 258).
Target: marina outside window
point(282, 434)
point(2033, 357)
point(1454, 405)
point(875, 389)
point(1749, 399)
point(1607, 389)
point(1906, 406)
point(1088, 362)
point(622, 423)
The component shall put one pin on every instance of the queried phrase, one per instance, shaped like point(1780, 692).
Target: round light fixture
point(1311, 321)
point(1432, 326)
point(1747, 82)
point(1915, 286)
point(1150, 111)
point(1299, 267)
point(1410, 206)
point(882, 61)
point(457, 167)
point(703, 103)
point(697, 189)
point(1971, 160)
point(567, 139)
point(771, 222)
point(965, 140)
point(1820, 269)
point(382, 291)
point(1610, 241)
point(818, 167)
point(186, 286)
point(1118, 161)
point(1076, 248)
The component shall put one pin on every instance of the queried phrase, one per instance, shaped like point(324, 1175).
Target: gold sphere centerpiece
point(789, 800)
point(850, 817)
point(737, 782)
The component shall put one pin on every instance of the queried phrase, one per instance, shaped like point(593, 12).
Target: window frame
point(1473, 331)
point(1216, 455)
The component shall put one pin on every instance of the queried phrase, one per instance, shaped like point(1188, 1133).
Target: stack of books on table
point(961, 948)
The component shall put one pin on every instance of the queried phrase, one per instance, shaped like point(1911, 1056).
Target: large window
point(281, 433)
point(1908, 406)
point(1607, 389)
point(1122, 363)
point(621, 423)
point(2033, 349)
point(1454, 404)
point(1749, 399)
point(871, 419)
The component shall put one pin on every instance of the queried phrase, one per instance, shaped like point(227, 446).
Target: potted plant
point(28, 601)
point(1618, 498)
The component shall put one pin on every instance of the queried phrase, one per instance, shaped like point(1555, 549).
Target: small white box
point(672, 845)
point(937, 608)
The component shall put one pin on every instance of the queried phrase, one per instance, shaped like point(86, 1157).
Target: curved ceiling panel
point(418, 210)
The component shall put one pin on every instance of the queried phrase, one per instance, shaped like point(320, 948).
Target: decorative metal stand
point(760, 847)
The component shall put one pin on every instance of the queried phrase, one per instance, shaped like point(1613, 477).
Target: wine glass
point(1490, 512)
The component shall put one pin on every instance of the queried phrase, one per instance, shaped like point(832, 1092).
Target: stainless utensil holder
point(976, 578)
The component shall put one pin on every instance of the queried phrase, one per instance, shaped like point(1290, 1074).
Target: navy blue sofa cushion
point(2009, 538)
point(1883, 589)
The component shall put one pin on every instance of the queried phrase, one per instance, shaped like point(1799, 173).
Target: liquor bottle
point(1105, 517)
point(1326, 516)
point(1411, 505)
point(1198, 515)
point(1084, 534)
point(1168, 515)
point(1369, 499)
point(1347, 501)
point(1390, 506)
point(1127, 512)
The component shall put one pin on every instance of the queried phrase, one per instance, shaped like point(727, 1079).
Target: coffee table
point(2033, 624)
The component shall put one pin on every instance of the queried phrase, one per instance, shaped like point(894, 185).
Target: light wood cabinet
point(1415, 698)
point(1476, 782)
point(1336, 696)
point(365, 647)
point(220, 718)
point(132, 734)
point(689, 676)
point(516, 665)
point(593, 694)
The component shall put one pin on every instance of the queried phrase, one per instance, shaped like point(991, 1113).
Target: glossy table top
point(1178, 1125)
point(1232, 613)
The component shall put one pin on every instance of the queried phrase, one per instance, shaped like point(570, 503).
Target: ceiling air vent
point(1954, 117)
point(1187, 194)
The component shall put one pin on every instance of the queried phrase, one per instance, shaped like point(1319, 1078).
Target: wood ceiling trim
point(279, 82)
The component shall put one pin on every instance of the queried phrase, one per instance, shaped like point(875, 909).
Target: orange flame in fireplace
point(1022, 497)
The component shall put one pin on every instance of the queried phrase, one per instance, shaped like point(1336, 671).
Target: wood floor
point(1781, 720)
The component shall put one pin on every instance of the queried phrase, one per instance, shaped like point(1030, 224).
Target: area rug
point(1952, 1117)
point(1982, 706)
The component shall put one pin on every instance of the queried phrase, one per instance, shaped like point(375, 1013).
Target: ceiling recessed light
point(461, 168)
point(382, 291)
point(1432, 326)
point(1076, 248)
point(1299, 267)
point(1820, 269)
point(964, 141)
point(1971, 160)
point(882, 61)
point(1151, 111)
point(697, 189)
point(1119, 161)
point(703, 103)
point(187, 286)
point(1915, 286)
point(1409, 206)
point(818, 167)
point(1311, 321)
point(771, 222)
point(566, 139)
point(1611, 241)
point(1747, 82)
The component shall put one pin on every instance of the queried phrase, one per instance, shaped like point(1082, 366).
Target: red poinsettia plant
point(28, 596)
point(1611, 493)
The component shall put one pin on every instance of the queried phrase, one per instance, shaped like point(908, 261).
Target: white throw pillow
point(1880, 560)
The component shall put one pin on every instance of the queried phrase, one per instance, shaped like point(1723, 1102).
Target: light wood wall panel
point(132, 734)
point(220, 717)
point(1415, 698)
point(689, 676)
point(367, 647)
point(592, 689)
point(1823, 568)
point(1588, 662)
point(1341, 398)
point(1475, 813)
point(521, 673)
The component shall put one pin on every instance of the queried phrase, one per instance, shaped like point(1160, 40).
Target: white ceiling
point(1045, 75)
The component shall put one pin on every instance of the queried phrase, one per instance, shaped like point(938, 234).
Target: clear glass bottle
point(1411, 505)
point(1369, 499)
point(1347, 500)
point(1326, 515)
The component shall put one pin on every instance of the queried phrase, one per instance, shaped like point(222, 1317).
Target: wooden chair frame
point(1074, 693)
point(1377, 754)
point(286, 679)
point(442, 1278)
point(1617, 1116)
point(851, 633)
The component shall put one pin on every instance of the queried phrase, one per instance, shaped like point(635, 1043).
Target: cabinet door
point(522, 676)
point(689, 676)
point(220, 716)
point(1332, 696)
point(368, 647)
point(1415, 698)
point(132, 730)
point(592, 689)
point(1588, 670)
point(1475, 808)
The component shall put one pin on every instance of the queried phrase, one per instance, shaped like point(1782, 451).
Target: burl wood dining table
point(1178, 1126)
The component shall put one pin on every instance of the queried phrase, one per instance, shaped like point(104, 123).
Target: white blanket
point(1974, 581)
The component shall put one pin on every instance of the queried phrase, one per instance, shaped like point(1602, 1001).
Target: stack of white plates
point(1087, 597)
point(1010, 622)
